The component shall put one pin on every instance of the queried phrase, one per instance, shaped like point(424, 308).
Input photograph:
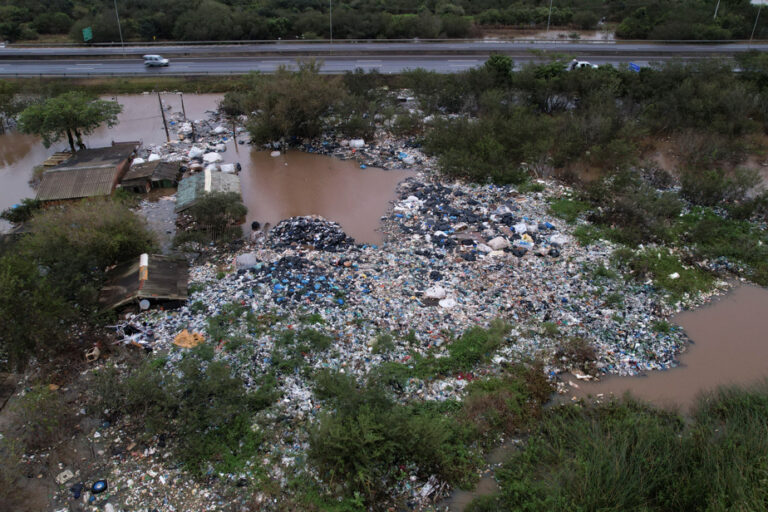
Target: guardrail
point(342, 42)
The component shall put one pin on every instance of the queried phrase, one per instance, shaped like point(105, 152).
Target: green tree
point(500, 67)
point(290, 104)
point(73, 114)
point(211, 21)
point(218, 210)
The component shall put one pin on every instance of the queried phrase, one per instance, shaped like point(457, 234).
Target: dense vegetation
point(49, 278)
point(628, 456)
point(371, 19)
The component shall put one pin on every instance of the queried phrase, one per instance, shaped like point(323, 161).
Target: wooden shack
point(164, 279)
point(88, 173)
point(144, 177)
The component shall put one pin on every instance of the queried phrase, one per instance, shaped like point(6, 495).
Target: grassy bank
point(628, 456)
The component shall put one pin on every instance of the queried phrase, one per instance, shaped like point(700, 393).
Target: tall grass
point(625, 456)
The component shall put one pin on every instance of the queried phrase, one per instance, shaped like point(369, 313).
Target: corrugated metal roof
point(156, 170)
point(77, 183)
point(109, 156)
point(167, 279)
point(191, 188)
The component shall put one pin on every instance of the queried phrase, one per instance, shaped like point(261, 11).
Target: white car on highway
point(155, 60)
point(580, 64)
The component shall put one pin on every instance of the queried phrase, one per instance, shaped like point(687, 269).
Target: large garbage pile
point(386, 153)
point(315, 232)
point(455, 256)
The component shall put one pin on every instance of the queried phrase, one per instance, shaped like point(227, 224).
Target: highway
point(386, 57)
point(242, 65)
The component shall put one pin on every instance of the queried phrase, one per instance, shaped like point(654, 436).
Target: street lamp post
point(549, 18)
point(330, 21)
point(756, 19)
point(760, 4)
point(119, 29)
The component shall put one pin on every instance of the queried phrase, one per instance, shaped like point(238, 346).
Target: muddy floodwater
point(298, 183)
point(273, 188)
point(140, 120)
point(730, 346)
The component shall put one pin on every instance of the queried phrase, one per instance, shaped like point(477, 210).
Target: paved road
point(241, 65)
point(485, 47)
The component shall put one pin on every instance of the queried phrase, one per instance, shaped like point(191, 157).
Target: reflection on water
point(299, 183)
point(273, 188)
point(730, 347)
point(15, 146)
point(140, 120)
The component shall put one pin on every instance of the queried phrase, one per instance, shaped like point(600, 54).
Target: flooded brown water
point(140, 120)
point(297, 183)
point(308, 184)
point(730, 346)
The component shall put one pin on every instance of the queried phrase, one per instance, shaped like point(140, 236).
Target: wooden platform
point(57, 158)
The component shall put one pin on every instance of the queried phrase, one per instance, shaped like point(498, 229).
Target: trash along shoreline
point(455, 256)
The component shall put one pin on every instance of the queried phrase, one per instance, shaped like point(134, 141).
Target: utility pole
point(119, 29)
point(549, 18)
point(760, 3)
point(330, 21)
point(162, 113)
point(755, 27)
point(183, 110)
point(716, 9)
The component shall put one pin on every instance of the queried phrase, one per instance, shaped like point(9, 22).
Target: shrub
point(585, 20)
point(476, 344)
point(569, 209)
point(504, 405)
point(199, 404)
point(491, 148)
point(624, 455)
point(635, 211)
point(384, 343)
point(739, 241)
point(317, 341)
point(365, 442)
point(714, 187)
point(44, 417)
point(577, 353)
point(10, 470)
point(661, 266)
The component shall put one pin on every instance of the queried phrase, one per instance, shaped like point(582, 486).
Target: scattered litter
point(185, 339)
point(64, 477)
